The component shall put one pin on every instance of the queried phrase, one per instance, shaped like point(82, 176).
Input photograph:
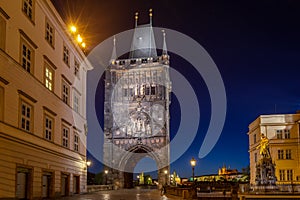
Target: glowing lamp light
point(166, 171)
point(88, 163)
point(83, 45)
point(79, 38)
point(73, 29)
point(193, 162)
point(106, 171)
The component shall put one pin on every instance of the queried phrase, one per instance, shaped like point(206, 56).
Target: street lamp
point(166, 176)
point(106, 172)
point(88, 163)
point(193, 164)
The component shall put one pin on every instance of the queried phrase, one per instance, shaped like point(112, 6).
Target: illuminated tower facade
point(136, 108)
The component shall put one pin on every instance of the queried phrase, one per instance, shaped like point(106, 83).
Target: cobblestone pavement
point(126, 194)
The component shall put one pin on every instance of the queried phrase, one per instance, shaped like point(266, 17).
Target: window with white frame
point(282, 175)
point(28, 8)
point(49, 33)
point(280, 154)
point(65, 92)
point(289, 174)
point(279, 134)
point(287, 134)
point(27, 56)
point(76, 141)
point(66, 55)
point(288, 154)
point(65, 136)
point(76, 68)
point(26, 116)
point(49, 77)
point(48, 128)
point(76, 102)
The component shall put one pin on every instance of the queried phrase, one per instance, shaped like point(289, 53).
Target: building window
point(289, 174)
point(65, 136)
point(49, 127)
point(281, 175)
point(27, 55)
point(287, 134)
point(76, 142)
point(288, 154)
point(26, 116)
point(76, 102)
point(280, 154)
point(254, 138)
point(49, 33)
point(76, 68)
point(49, 77)
point(28, 8)
point(255, 157)
point(65, 92)
point(152, 90)
point(279, 134)
point(66, 55)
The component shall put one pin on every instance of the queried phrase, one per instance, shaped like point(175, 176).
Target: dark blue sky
point(255, 45)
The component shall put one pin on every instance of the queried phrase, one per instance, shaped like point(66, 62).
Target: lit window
point(26, 116)
point(48, 127)
point(28, 8)
point(76, 102)
point(289, 174)
point(49, 77)
point(65, 92)
point(279, 134)
point(26, 57)
point(287, 134)
point(288, 154)
point(49, 33)
point(66, 55)
point(76, 142)
point(280, 154)
point(65, 136)
point(281, 175)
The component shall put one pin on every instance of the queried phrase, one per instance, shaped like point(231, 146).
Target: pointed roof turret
point(143, 42)
point(114, 52)
point(165, 51)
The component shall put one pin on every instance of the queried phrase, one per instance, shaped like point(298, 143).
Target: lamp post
point(106, 172)
point(193, 164)
point(138, 179)
point(166, 176)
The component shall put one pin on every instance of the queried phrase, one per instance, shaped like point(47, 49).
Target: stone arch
point(130, 159)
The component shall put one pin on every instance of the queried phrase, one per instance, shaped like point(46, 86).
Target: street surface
point(125, 194)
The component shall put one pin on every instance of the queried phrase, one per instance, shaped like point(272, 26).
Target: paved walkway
point(125, 194)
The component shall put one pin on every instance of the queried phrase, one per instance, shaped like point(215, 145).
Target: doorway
point(23, 183)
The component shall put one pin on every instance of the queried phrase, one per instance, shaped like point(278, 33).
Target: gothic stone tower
point(136, 109)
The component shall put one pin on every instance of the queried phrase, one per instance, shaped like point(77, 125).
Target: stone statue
point(264, 147)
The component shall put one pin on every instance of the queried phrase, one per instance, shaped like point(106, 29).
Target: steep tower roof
point(143, 41)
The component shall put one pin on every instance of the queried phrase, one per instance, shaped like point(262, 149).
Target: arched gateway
point(136, 109)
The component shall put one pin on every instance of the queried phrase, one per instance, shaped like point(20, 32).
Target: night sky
point(255, 45)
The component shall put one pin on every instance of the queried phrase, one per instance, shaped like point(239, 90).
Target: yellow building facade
point(43, 125)
point(282, 132)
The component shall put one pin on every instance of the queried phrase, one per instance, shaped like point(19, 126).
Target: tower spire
point(165, 51)
point(150, 15)
point(136, 17)
point(114, 52)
